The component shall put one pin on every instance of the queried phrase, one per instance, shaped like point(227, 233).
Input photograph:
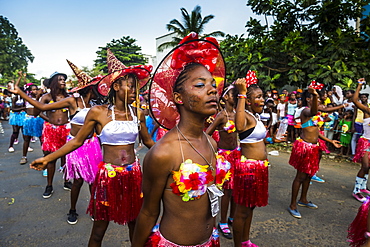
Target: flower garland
point(230, 126)
point(191, 180)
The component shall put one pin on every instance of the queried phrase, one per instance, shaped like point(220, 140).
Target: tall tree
point(190, 23)
point(14, 55)
point(124, 49)
point(308, 40)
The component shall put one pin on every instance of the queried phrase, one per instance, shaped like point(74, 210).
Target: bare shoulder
point(45, 98)
point(164, 153)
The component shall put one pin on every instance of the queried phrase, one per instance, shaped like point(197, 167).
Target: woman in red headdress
point(180, 171)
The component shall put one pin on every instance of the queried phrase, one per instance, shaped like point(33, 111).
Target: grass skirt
point(363, 146)
point(233, 156)
point(156, 239)
point(83, 162)
point(17, 118)
point(116, 193)
point(251, 182)
point(357, 229)
point(33, 126)
point(54, 136)
point(305, 157)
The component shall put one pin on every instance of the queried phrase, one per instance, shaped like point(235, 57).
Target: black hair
point(305, 95)
point(271, 101)
point(54, 88)
point(351, 91)
point(183, 76)
point(365, 94)
point(112, 93)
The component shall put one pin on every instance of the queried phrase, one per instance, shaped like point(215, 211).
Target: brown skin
point(96, 119)
point(244, 121)
point(58, 117)
point(311, 135)
point(184, 223)
point(365, 160)
point(228, 141)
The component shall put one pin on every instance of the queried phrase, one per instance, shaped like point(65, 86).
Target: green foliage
point(193, 22)
point(14, 55)
point(124, 49)
point(308, 40)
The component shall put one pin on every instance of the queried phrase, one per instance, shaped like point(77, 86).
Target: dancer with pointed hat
point(116, 192)
point(81, 164)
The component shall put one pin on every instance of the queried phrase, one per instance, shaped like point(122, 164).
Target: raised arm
point(88, 127)
point(67, 102)
point(240, 119)
point(356, 97)
point(314, 103)
point(156, 170)
point(217, 122)
point(144, 134)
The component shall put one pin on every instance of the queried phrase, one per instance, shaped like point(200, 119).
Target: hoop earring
point(180, 102)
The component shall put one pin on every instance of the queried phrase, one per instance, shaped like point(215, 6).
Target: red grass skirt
point(116, 193)
point(322, 143)
point(305, 157)
point(357, 229)
point(233, 156)
point(363, 146)
point(251, 183)
point(54, 136)
point(156, 239)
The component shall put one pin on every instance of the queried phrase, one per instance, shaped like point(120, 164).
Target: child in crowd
point(345, 134)
point(281, 107)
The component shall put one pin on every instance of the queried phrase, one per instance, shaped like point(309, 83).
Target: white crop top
point(255, 134)
point(120, 132)
point(366, 128)
point(79, 117)
point(29, 105)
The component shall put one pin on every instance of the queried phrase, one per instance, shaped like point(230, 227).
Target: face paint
point(256, 104)
point(193, 101)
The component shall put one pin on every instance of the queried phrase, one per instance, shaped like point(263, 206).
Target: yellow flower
point(119, 169)
point(176, 176)
point(243, 159)
point(111, 174)
point(266, 163)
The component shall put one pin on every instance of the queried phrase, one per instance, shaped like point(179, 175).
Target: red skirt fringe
point(363, 146)
point(357, 229)
point(156, 239)
point(54, 136)
point(251, 183)
point(233, 156)
point(305, 157)
point(116, 193)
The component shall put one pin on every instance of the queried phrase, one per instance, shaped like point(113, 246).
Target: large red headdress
point(190, 50)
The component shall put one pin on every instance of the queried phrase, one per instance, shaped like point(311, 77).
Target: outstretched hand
point(15, 90)
point(336, 144)
point(39, 164)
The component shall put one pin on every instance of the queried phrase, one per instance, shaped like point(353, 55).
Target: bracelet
point(361, 82)
point(242, 96)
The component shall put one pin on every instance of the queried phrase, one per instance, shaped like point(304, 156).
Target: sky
point(58, 30)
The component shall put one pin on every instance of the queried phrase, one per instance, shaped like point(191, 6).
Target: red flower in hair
point(316, 85)
point(196, 52)
point(251, 78)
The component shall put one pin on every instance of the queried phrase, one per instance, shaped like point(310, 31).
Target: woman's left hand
point(336, 144)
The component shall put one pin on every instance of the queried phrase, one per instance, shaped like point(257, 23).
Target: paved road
point(30, 220)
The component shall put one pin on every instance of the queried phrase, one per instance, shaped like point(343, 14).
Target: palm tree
point(191, 23)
